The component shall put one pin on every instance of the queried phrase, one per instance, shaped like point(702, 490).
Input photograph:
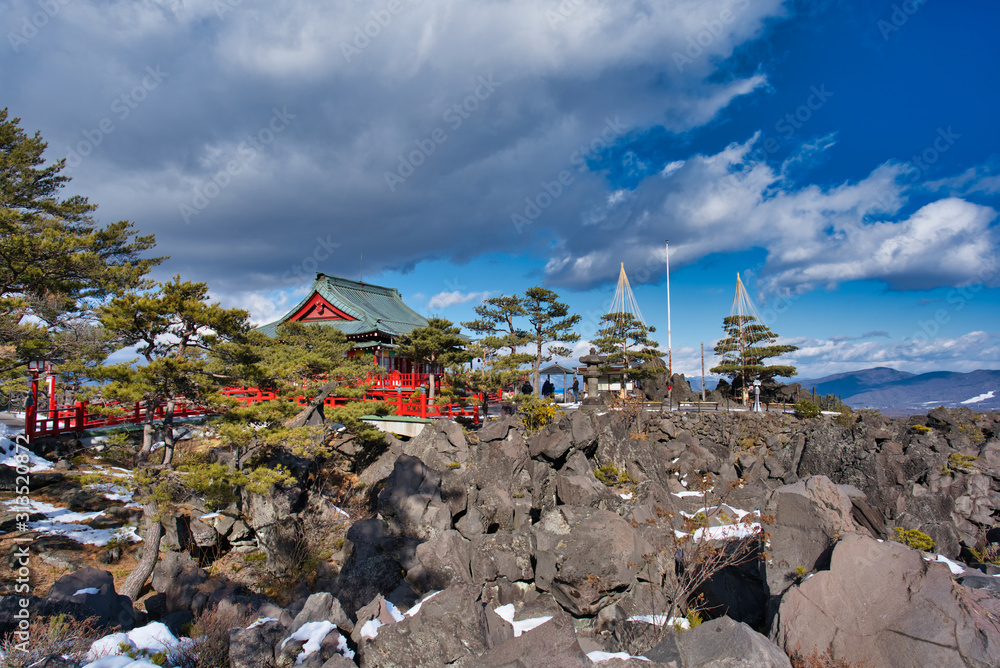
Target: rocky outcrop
point(882, 604)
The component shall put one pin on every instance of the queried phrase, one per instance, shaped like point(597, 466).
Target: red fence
point(81, 416)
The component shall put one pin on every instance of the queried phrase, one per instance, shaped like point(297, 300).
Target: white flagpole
point(670, 357)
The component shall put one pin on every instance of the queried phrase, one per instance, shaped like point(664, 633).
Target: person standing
point(576, 389)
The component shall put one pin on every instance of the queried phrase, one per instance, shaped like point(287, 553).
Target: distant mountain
point(898, 392)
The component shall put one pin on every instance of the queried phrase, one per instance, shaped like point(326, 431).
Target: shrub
point(914, 538)
point(960, 463)
point(612, 476)
point(211, 631)
point(806, 409)
point(921, 429)
point(536, 412)
point(59, 635)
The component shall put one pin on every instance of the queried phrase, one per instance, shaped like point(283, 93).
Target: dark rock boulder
point(719, 643)
point(586, 557)
point(179, 578)
point(809, 517)
point(95, 590)
point(881, 603)
point(411, 500)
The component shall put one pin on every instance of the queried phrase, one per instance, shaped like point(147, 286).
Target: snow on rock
point(9, 451)
point(64, 522)
point(313, 633)
point(111, 491)
point(506, 613)
point(415, 609)
point(598, 657)
point(955, 567)
point(660, 620)
point(370, 628)
point(261, 621)
point(87, 590)
point(109, 646)
point(153, 638)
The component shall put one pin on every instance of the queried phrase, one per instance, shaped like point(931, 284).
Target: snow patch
point(981, 397)
point(506, 613)
point(9, 451)
point(87, 590)
point(598, 657)
point(415, 609)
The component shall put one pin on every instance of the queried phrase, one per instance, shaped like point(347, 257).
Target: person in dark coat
point(576, 389)
point(527, 388)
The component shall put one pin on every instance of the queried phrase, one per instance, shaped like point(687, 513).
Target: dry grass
point(824, 660)
point(59, 636)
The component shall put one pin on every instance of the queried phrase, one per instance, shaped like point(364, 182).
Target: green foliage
point(974, 433)
point(263, 479)
point(437, 343)
point(218, 483)
point(914, 538)
point(921, 429)
point(550, 322)
point(535, 411)
point(960, 463)
point(989, 553)
point(58, 263)
point(744, 349)
point(694, 618)
point(454, 465)
point(624, 341)
point(612, 476)
point(806, 409)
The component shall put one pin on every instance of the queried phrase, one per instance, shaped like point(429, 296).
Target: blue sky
point(842, 156)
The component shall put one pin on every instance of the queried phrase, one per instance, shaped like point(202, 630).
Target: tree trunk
point(168, 433)
point(150, 551)
point(430, 379)
point(147, 440)
point(303, 416)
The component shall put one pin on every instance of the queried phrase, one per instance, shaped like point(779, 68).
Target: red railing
point(81, 416)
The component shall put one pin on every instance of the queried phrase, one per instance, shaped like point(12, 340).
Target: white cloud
point(446, 299)
point(814, 237)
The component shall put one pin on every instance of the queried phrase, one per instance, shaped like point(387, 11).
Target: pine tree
point(550, 323)
point(497, 331)
point(745, 347)
point(624, 340)
point(173, 328)
point(56, 262)
point(439, 343)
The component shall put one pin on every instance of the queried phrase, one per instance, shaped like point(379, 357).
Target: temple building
point(375, 318)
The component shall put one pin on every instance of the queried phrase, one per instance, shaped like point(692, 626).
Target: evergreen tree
point(56, 262)
point(550, 323)
point(625, 341)
point(439, 343)
point(173, 329)
point(745, 347)
point(497, 331)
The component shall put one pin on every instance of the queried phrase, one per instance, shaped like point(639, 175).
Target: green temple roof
point(370, 309)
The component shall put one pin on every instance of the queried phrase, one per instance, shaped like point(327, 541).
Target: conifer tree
point(624, 340)
point(745, 347)
point(439, 343)
point(56, 262)
point(173, 328)
point(550, 323)
point(497, 331)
